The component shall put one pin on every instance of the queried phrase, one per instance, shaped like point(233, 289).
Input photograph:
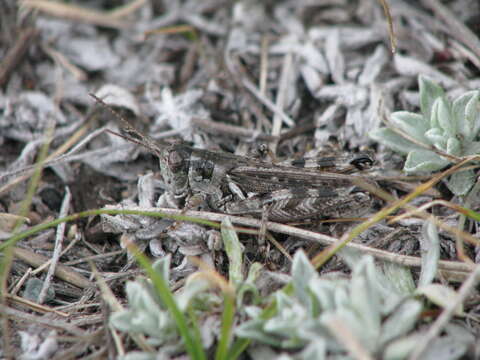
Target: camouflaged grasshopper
point(288, 191)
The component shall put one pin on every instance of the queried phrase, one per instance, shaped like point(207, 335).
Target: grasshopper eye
point(362, 162)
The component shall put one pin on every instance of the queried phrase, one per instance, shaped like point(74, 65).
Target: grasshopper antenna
point(127, 126)
point(139, 138)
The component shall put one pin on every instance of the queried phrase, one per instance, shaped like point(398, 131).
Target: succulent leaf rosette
point(450, 127)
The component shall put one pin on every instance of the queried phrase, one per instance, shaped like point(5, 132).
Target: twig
point(58, 246)
point(283, 86)
point(77, 135)
point(127, 9)
point(35, 306)
point(63, 61)
point(256, 92)
point(51, 323)
point(94, 257)
point(75, 13)
point(20, 282)
point(62, 272)
point(391, 32)
point(66, 250)
point(217, 128)
point(15, 55)
point(262, 82)
point(410, 261)
point(458, 30)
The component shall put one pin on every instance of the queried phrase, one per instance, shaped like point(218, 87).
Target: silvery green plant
point(147, 314)
point(376, 311)
point(376, 308)
point(443, 126)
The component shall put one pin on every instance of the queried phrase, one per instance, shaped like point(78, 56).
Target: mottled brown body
point(287, 191)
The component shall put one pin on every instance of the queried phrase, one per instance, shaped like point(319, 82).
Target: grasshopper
point(287, 191)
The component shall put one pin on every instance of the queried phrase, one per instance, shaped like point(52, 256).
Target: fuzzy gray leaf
point(139, 297)
point(254, 330)
point(234, 250)
point(430, 246)
point(400, 277)
point(424, 160)
point(437, 137)
point(440, 295)
point(445, 348)
point(429, 92)
point(162, 266)
point(194, 285)
point(413, 124)
point(444, 116)
point(401, 321)
point(324, 291)
point(461, 182)
point(393, 140)
point(364, 296)
point(138, 355)
point(316, 350)
point(454, 147)
point(465, 110)
point(302, 273)
point(401, 348)
point(472, 148)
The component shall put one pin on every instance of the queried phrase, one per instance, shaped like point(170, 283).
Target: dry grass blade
point(458, 30)
point(63, 272)
point(64, 147)
point(63, 61)
point(58, 247)
point(36, 307)
point(391, 32)
point(127, 9)
point(58, 324)
point(8, 253)
point(178, 29)
point(14, 56)
point(75, 13)
point(413, 212)
point(213, 276)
